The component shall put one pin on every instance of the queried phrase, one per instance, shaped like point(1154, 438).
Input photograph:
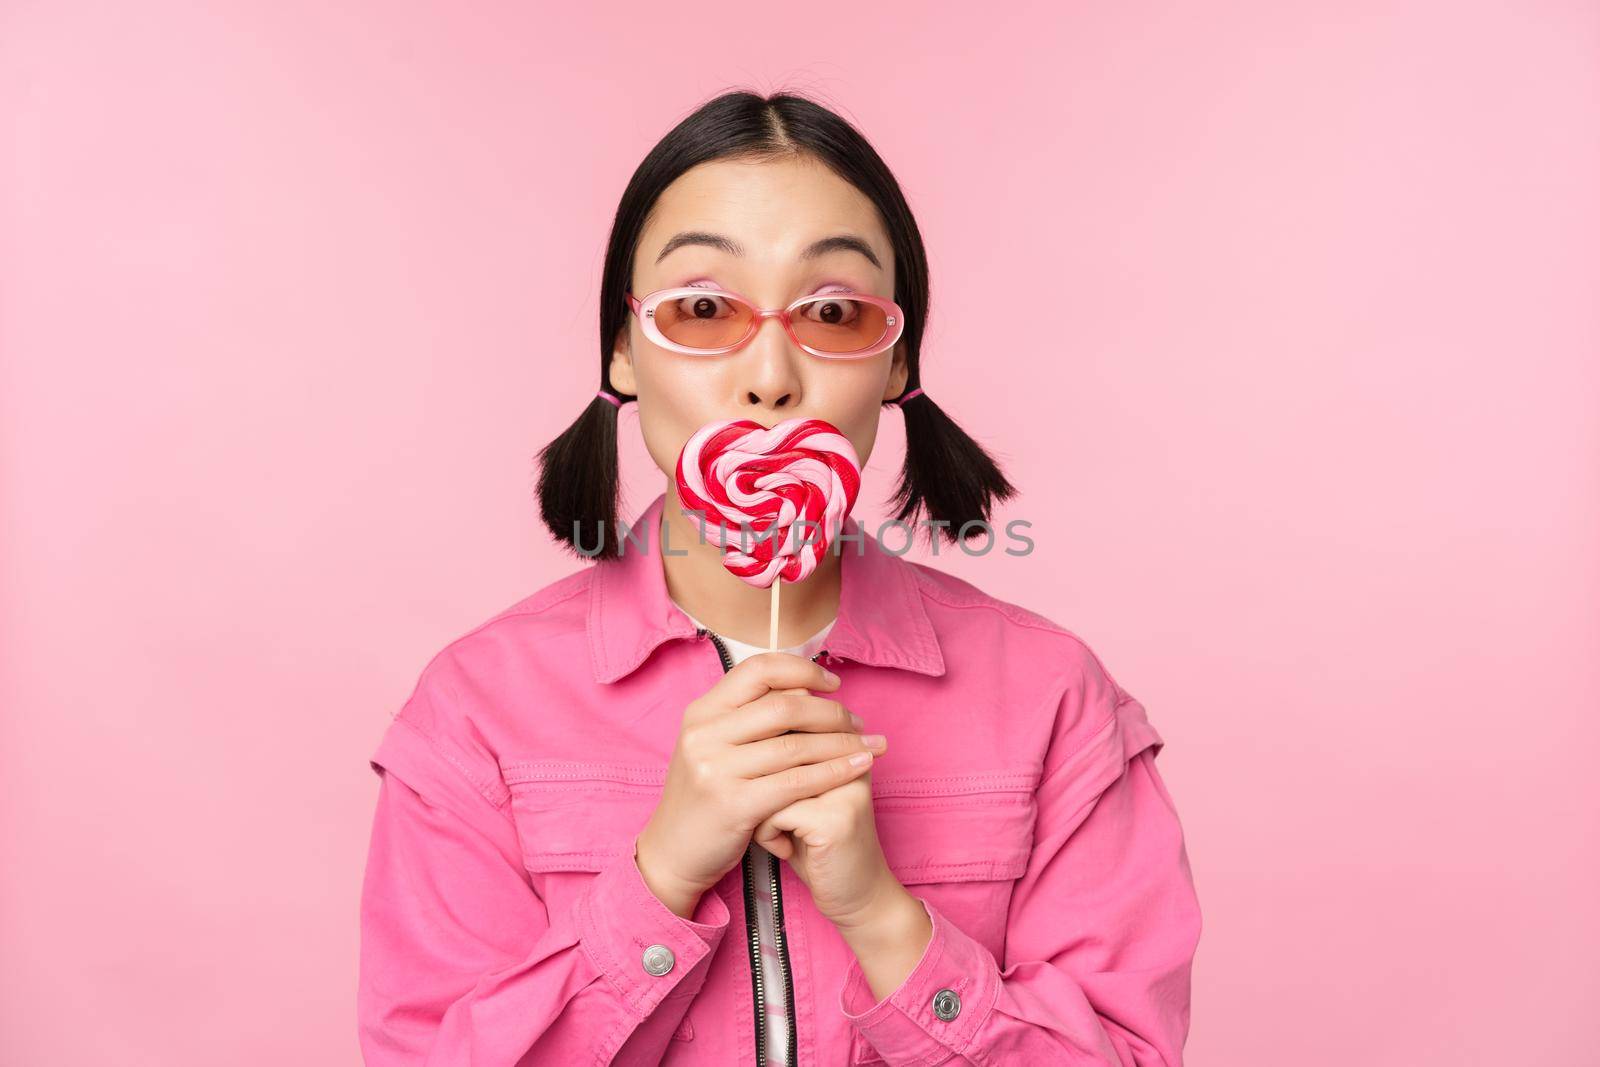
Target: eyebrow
point(843, 242)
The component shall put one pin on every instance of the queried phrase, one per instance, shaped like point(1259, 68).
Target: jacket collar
point(881, 621)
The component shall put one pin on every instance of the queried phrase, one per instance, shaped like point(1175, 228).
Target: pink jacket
point(504, 921)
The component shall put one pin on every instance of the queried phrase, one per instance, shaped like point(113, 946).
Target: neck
point(734, 608)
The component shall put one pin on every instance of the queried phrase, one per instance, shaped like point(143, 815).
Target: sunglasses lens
point(707, 321)
point(838, 324)
point(831, 323)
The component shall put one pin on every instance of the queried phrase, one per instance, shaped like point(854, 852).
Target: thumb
point(773, 837)
point(773, 833)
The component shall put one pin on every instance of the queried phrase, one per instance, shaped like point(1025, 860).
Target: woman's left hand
point(831, 841)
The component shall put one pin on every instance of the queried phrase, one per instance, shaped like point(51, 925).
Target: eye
point(706, 307)
point(834, 311)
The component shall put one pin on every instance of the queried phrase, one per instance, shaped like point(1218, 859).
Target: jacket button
point(946, 1005)
point(658, 960)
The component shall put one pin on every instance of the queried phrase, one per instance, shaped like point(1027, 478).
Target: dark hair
point(946, 473)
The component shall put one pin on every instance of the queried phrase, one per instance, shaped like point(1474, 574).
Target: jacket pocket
point(578, 816)
point(960, 828)
point(959, 842)
point(575, 817)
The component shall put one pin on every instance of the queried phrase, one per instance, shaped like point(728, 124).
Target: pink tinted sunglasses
point(698, 321)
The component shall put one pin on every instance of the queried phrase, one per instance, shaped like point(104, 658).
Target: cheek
point(684, 384)
point(856, 407)
point(863, 438)
point(678, 399)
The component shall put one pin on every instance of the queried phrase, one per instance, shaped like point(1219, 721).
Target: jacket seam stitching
point(600, 956)
point(1015, 612)
point(1029, 619)
point(1095, 737)
point(478, 787)
point(973, 1050)
point(578, 589)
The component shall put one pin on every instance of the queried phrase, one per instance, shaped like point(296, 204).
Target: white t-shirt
point(771, 972)
point(738, 651)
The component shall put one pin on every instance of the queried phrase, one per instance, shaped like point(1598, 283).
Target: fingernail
point(857, 720)
point(861, 759)
point(833, 679)
point(874, 740)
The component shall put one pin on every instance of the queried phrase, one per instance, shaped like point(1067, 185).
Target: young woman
point(612, 829)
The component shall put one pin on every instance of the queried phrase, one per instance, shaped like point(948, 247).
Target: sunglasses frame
point(645, 310)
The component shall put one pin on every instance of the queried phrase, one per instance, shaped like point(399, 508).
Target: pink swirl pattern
point(737, 471)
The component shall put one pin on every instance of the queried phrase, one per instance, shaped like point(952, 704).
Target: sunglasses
point(705, 322)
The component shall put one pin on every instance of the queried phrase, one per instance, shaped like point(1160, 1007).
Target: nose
point(771, 366)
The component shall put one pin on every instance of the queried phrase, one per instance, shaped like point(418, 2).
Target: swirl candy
point(737, 471)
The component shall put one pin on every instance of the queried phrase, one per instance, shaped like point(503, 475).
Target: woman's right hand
point(736, 762)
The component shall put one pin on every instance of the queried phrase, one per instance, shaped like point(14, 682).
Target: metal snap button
point(946, 1005)
point(658, 960)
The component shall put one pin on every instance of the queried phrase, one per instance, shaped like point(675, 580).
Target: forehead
point(772, 209)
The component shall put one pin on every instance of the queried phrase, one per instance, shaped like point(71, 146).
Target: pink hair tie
point(607, 396)
point(900, 400)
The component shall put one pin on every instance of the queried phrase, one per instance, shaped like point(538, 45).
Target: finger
point(774, 832)
point(771, 755)
point(774, 791)
point(774, 840)
point(766, 671)
point(778, 713)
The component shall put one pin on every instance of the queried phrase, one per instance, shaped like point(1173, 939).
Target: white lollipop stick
point(772, 636)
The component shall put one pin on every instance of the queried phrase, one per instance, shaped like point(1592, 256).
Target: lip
point(748, 418)
point(779, 422)
point(768, 425)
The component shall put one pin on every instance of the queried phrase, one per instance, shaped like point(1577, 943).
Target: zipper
point(783, 958)
point(753, 923)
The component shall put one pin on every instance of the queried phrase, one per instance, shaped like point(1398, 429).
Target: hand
point(831, 841)
point(756, 742)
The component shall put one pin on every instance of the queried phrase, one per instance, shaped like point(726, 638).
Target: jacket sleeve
point(462, 963)
point(1101, 930)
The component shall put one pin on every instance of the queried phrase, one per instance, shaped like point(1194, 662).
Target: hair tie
point(607, 396)
point(900, 400)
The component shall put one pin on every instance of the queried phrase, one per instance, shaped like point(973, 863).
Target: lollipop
point(753, 486)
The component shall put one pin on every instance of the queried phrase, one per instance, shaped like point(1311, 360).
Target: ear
point(899, 373)
point(621, 370)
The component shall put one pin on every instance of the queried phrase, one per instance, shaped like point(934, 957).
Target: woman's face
point(771, 212)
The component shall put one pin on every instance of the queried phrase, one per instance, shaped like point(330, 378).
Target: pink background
point(1304, 412)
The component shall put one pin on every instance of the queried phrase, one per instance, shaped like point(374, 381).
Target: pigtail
point(946, 475)
point(578, 483)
